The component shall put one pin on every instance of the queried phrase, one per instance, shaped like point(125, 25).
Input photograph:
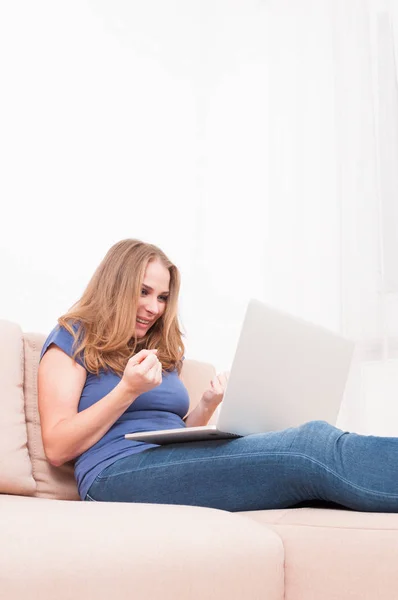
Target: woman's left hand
point(213, 396)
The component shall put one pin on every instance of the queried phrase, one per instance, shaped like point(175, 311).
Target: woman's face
point(153, 298)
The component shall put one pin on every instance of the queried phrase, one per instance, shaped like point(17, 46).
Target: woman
point(111, 366)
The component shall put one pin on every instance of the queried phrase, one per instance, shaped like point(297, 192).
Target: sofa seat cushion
point(70, 549)
point(334, 554)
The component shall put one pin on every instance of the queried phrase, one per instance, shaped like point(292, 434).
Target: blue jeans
point(313, 464)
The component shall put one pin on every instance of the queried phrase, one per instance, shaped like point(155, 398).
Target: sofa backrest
point(51, 482)
point(24, 469)
point(16, 475)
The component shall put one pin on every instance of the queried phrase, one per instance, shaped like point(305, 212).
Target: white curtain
point(301, 207)
point(256, 142)
point(365, 49)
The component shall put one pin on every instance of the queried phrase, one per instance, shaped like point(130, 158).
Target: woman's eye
point(163, 298)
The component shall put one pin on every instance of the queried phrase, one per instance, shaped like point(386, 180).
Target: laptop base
point(187, 434)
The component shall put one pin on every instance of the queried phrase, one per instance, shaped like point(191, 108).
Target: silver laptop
point(286, 371)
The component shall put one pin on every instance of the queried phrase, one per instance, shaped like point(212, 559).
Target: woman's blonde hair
point(106, 313)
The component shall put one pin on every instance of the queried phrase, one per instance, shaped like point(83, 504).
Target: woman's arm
point(200, 415)
point(211, 398)
point(66, 432)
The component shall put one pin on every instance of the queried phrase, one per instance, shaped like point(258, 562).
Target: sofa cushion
point(51, 482)
point(196, 376)
point(15, 466)
point(59, 482)
point(334, 554)
point(54, 549)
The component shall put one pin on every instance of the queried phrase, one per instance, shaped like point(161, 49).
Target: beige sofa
point(53, 546)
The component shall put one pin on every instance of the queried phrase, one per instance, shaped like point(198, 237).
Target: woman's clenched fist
point(143, 372)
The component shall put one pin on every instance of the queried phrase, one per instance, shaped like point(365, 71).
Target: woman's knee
point(317, 426)
point(315, 434)
point(328, 439)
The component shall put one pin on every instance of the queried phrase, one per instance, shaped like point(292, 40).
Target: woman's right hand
point(143, 372)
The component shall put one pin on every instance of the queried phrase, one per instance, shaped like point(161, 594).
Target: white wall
point(135, 120)
point(98, 143)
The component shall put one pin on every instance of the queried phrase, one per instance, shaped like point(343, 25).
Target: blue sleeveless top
point(161, 408)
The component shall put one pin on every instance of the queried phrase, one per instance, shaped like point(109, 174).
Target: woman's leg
point(313, 462)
